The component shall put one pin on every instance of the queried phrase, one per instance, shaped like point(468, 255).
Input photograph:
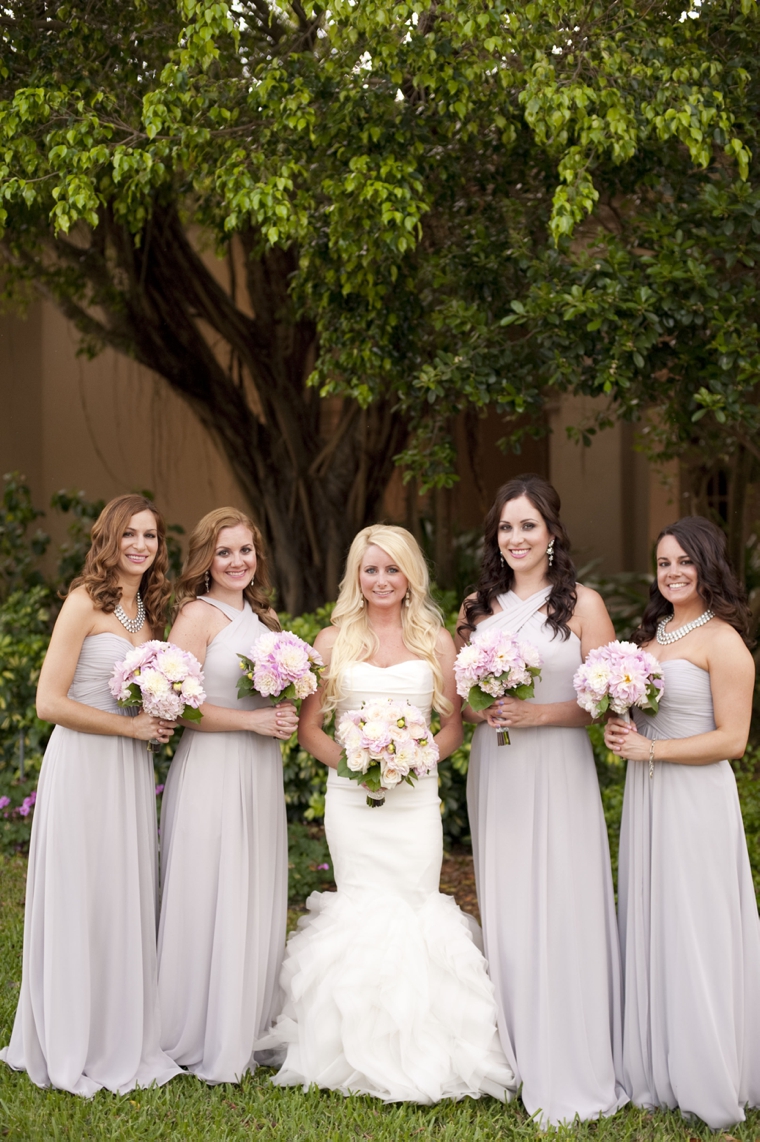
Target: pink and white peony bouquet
point(496, 663)
point(618, 676)
point(280, 665)
point(162, 679)
point(387, 741)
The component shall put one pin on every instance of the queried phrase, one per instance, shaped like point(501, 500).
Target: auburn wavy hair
point(497, 577)
point(100, 572)
point(705, 544)
point(421, 619)
point(201, 546)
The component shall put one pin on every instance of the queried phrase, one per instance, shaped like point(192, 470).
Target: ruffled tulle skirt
point(386, 989)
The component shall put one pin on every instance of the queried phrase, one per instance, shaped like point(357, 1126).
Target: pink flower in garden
point(4, 801)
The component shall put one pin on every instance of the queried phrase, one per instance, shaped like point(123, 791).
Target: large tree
point(395, 188)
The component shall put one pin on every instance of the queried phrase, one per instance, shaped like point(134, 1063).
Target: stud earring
point(207, 579)
point(550, 551)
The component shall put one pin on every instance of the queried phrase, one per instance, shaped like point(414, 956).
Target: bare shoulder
point(197, 613)
point(726, 646)
point(589, 602)
point(444, 643)
point(78, 609)
point(200, 620)
point(325, 640)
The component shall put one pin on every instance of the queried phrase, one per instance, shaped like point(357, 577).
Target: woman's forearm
point(320, 745)
point(703, 749)
point(564, 714)
point(448, 739)
point(220, 719)
point(62, 711)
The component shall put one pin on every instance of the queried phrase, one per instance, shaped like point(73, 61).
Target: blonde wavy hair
point(200, 555)
point(421, 620)
point(101, 566)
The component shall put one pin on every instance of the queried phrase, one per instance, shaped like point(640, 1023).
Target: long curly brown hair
point(705, 544)
point(100, 572)
point(497, 577)
point(200, 555)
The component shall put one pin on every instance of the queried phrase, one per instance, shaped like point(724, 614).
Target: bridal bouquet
point(386, 742)
point(163, 680)
point(492, 665)
point(279, 666)
point(618, 676)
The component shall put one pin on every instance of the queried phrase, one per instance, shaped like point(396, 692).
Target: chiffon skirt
point(224, 907)
point(87, 1016)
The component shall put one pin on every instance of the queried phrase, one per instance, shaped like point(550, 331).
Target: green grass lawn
point(187, 1109)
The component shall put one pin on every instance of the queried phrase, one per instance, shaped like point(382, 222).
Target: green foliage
point(72, 552)
point(309, 862)
point(18, 551)
point(482, 200)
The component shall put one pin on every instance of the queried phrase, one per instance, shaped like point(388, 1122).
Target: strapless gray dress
point(87, 1015)
point(689, 925)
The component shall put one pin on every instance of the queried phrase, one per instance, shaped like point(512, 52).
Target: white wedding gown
point(386, 989)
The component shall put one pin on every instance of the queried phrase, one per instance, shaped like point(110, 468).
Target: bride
point(386, 991)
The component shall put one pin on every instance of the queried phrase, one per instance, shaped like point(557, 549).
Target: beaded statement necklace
point(665, 639)
point(132, 625)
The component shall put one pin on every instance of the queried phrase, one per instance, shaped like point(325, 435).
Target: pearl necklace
point(674, 635)
point(132, 625)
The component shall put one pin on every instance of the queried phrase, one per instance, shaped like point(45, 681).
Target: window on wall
point(717, 494)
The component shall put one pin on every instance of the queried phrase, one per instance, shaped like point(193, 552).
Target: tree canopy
point(439, 205)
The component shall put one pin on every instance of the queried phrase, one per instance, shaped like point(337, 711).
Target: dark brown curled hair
point(200, 555)
point(100, 572)
point(705, 544)
point(497, 577)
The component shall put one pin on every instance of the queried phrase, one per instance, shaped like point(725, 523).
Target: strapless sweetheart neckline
point(394, 665)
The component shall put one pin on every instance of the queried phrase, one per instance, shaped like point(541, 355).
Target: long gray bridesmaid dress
point(224, 866)
point(87, 1014)
point(544, 884)
point(689, 926)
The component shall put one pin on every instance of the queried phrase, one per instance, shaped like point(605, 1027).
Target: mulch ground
point(458, 880)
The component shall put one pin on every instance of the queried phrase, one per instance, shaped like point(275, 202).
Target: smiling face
point(381, 580)
point(234, 562)
point(523, 535)
point(677, 577)
point(139, 544)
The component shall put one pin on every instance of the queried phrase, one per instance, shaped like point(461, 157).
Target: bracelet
point(651, 757)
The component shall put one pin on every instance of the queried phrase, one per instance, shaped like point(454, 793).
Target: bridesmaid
point(540, 843)
point(87, 1016)
point(223, 828)
point(689, 926)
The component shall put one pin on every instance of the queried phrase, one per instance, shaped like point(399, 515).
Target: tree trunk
point(313, 471)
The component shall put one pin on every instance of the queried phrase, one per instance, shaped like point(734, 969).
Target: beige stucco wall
point(107, 426)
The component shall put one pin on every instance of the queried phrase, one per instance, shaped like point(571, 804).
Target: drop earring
point(207, 581)
point(550, 551)
point(503, 560)
point(407, 598)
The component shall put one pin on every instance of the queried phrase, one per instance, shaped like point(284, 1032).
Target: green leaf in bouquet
point(190, 714)
point(522, 692)
point(134, 699)
point(343, 770)
point(478, 700)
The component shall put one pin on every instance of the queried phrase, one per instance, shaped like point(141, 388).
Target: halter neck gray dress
point(544, 885)
point(689, 927)
point(87, 1015)
point(224, 865)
